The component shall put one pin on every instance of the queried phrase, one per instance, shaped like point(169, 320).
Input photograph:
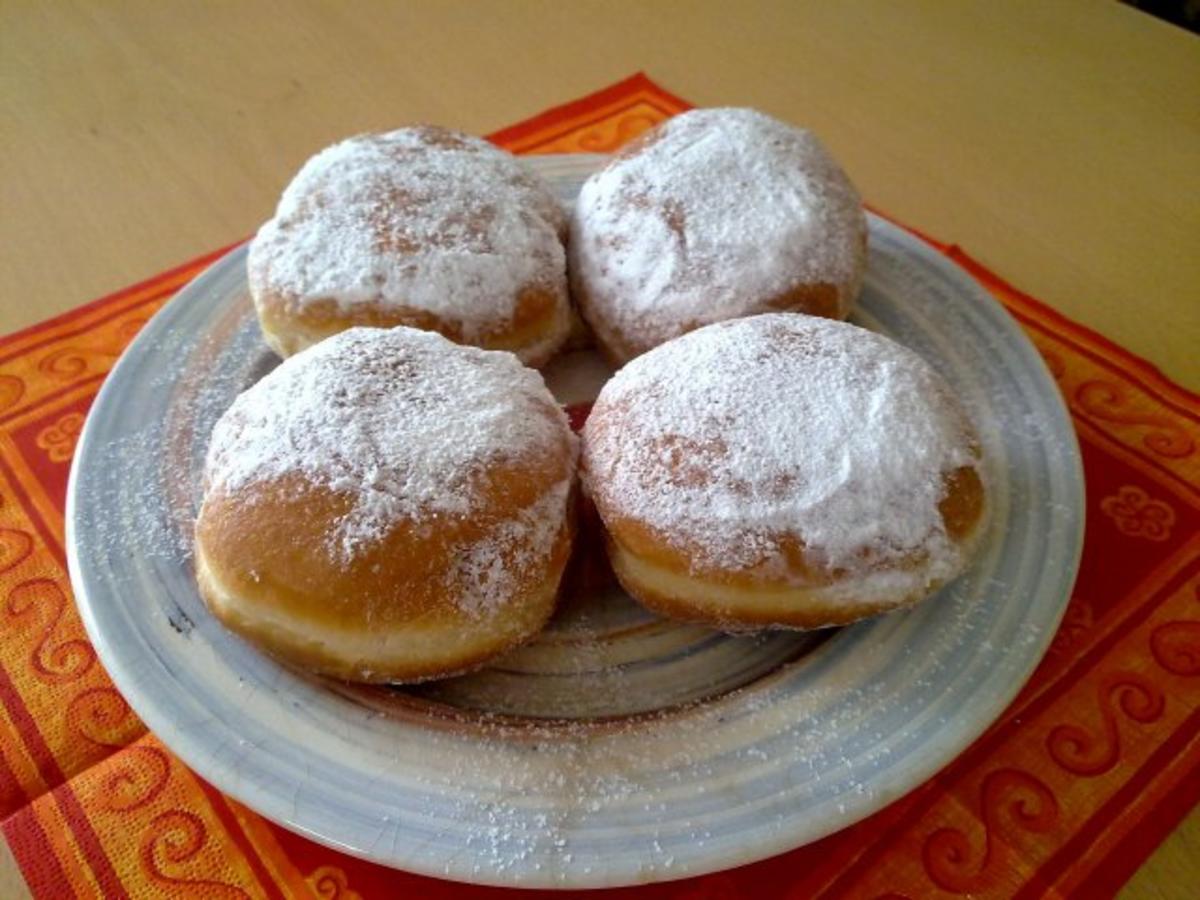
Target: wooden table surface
point(1056, 141)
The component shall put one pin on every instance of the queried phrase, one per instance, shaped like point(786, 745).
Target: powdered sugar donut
point(388, 506)
point(423, 227)
point(715, 214)
point(783, 470)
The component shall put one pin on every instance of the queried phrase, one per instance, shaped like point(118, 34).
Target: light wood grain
point(1056, 141)
point(12, 885)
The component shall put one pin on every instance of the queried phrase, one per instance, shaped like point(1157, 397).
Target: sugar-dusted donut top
point(406, 424)
point(742, 434)
point(423, 218)
point(716, 212)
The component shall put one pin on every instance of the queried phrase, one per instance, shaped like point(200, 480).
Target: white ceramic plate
point(616, 749)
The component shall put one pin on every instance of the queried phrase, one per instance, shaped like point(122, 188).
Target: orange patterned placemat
point(1096, 760)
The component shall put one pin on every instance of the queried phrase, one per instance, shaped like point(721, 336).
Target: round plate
point(617, 748)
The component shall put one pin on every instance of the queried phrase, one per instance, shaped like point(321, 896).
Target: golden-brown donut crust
point(260, 551)
point(537, 328)
point(712, 215)
point(258, 564)
point(618, 345)
point(671, 454)
point(393, 610)
point(806, 592)
point(436, 197)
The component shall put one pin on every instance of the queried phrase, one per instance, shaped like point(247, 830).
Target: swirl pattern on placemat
point(68, 838)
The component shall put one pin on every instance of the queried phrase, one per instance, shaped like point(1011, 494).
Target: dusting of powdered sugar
point(720, 212)
point(745, 432)
point(497, 566)
point(405, 423)
point(422, 218)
